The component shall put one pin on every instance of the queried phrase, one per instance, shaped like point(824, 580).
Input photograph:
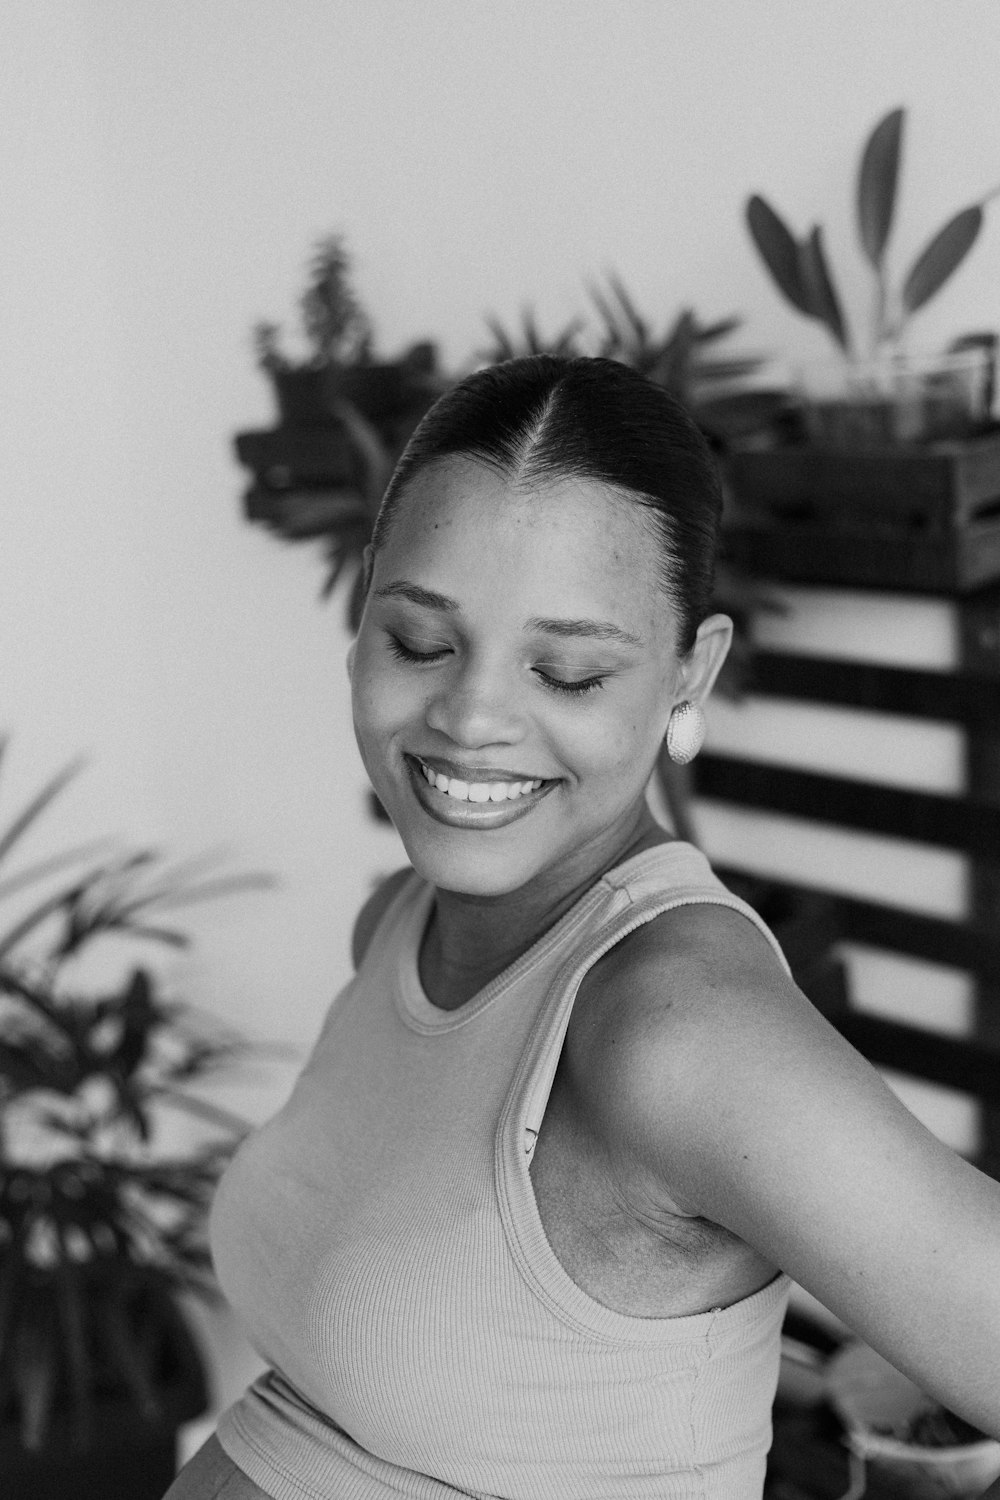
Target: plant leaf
point(780, 252)
point(941, 257)
point(877, 180)
point(707, 333)
point(38, 804)
point(636, 322)
point(821, 291)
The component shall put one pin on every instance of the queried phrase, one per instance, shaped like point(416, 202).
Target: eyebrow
point(593, 630)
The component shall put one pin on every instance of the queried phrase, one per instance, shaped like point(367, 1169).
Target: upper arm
point(755, 1113)
point(372, 912)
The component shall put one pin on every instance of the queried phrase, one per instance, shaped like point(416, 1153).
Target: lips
point(472, 774)
point(473, 804)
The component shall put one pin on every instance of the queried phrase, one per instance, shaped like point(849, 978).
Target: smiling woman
point(526, 1225)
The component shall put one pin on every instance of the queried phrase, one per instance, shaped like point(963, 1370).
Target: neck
point(472, 939)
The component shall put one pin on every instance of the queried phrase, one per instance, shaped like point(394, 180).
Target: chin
point(474, 869)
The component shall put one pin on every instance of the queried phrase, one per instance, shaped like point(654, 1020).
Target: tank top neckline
point(415, 1005)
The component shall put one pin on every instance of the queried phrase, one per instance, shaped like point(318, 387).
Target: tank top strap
point(651, 882)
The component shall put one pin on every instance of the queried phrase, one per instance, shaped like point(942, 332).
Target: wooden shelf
point(899, 518)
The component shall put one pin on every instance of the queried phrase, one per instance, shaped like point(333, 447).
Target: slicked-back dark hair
point(541, 419)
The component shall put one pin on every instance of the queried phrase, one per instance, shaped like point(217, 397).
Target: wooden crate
point(909, 518)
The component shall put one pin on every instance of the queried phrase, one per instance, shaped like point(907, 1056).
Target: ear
point(704, 661)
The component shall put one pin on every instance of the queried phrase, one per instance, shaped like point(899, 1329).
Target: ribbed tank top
point(380, 1240)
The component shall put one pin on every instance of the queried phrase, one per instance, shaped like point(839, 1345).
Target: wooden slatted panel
point(933, 939)
point(967, 698)
point(927, 817)
point(968, 824)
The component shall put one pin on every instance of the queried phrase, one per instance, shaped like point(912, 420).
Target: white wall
point(166, 168)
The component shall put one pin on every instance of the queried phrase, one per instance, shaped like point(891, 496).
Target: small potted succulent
point(101, 1229)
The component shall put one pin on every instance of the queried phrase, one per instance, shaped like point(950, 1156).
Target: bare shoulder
point(699, 1056)
point(684, 980)
point(373, 910)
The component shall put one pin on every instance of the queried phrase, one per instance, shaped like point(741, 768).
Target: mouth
point(466, 803)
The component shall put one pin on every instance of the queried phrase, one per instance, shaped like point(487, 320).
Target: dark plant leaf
point(670, 365)
point(38, 804)
point(709, 333)
point(634, 319)
point(821, 290)
point(31, 874)
point(70, 1300)
point(727, 369)
point(128, 1365)
point(941, 257)
point(877, 181)
point(35, 1369)
point(10, 1272)
point(190, 1104)
point(503, 347)
point(66, 900)
point(13, 984)
point(779, 251)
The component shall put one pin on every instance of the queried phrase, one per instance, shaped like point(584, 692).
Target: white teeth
point(478, 791)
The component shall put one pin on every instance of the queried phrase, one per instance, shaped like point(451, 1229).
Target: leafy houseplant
point(886, 395)
point(337, 331)
point(341, 365)
point(683, 359)
point(894, 477)
point(345, 416)
point(99, 1234)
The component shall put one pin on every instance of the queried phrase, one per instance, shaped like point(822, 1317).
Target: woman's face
point(513, 676)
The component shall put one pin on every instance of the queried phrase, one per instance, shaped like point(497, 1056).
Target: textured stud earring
point(685, 732)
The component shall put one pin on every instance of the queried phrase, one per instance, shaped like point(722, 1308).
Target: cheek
point(384, 696)
point(614, 744)
point(626, 740)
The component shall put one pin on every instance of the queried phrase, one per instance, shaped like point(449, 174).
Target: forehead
point(459, 502)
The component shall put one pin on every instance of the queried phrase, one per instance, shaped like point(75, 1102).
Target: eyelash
point(402, 652)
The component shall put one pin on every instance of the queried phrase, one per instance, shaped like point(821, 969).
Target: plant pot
point(305, 396)
point(123, 1451)
point(875, 1402)
point(900, 400)
point(924, 517)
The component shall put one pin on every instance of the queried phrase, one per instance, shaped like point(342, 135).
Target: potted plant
point(338, 336)
point(905, 1442)
point(340, 363)
point(100, 1233)
point(887, 395)
point(899, 451)
point(344, 416)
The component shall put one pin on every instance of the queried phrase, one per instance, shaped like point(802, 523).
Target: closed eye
point(573, 686)
point(561, 685)
point(404, 652)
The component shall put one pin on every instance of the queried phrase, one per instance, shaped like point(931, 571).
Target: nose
point(476, 707)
